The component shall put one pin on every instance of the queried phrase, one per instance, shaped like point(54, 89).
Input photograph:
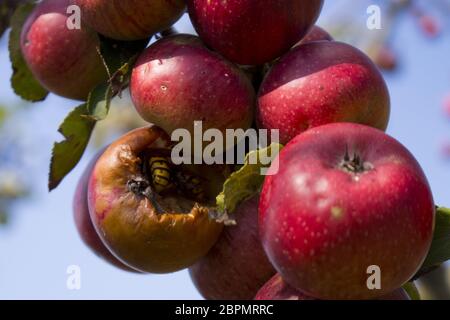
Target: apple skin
point(236, 267)
point(131, 19)
point(65, 62)
point(128, 222)
point(277, 289)
point(177, 81)
point(83, 221)
point(322, 82)
point(316, 34)
point(324, 219)
point(241, 30)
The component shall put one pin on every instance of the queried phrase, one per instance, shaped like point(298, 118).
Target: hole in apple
point(175, 188)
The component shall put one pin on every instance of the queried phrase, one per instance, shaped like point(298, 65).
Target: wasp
point(165, 176)
point(190, 184)
point(161, 173)
point(158, 168)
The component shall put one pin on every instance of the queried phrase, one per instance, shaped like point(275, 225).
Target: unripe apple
point(253, 32)
point(146, 230)
point(322, 82)
point(177, 81)
point(83, 221)
point(349, 209)
point(131, 19)
point(65, 61)
point(277, 289)
point(237, 266)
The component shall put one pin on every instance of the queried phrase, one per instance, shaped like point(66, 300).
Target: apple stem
point(167, 33)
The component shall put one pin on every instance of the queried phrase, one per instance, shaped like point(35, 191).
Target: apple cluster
point(347, 198)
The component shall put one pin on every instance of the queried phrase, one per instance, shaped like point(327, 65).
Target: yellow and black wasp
point(161, 173)
point(190, 184)
point(166, 177)
point(158, 168)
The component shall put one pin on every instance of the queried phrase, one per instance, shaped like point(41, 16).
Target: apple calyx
point(140, 186)
point(355, 164)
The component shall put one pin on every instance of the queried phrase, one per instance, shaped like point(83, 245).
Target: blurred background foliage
point(20, 155)
point(7, 8)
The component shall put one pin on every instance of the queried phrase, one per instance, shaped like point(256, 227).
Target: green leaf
point(99, 101)
point(4, 18)
point(22, 81)
point(245, 182)
point(412, 290)
point(3, 115)
point(118, 57)
point(5, 12)
point(117, 53)
point(3, 217)
point(7, 8)
point(440, 247)
point(77, 129)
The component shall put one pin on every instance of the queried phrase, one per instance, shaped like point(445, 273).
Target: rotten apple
point(146, 227)
point(277, 289)
point(177, 81)
point(131, 19)
point(347, 199)
point(322, 82)
point(237, 266)
point(83, 221)
point(65, 61)
point(253, 32)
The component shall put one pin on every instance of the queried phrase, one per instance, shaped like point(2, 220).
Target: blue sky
point(42, 241)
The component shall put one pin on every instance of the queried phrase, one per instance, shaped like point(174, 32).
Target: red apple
point(446, 105)
point(316, 34)
point(177, 81)
point(346, 197)
point(430, 26)
point(83, 221)
point(253, 32)
point(236, 267)
point(386, 59)
point(65, 61)
point(144, 229)
point(319, 83)
point(131, 19)
point(277, 289)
